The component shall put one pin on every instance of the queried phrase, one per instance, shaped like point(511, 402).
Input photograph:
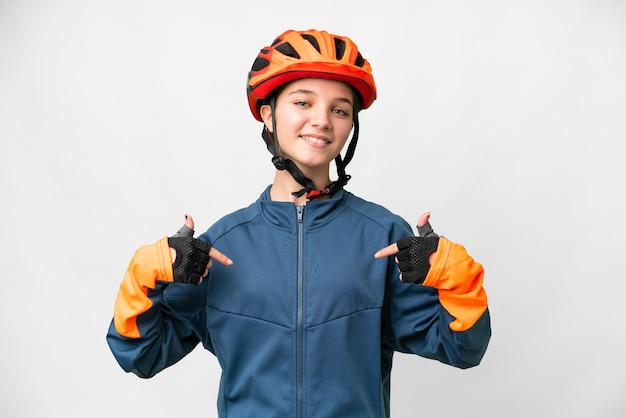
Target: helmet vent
point(259, 64)
point(287, 49)
point(312, 41)
point(340, 48)
point(359, 62)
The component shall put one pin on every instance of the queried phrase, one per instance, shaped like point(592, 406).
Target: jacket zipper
point(300, 318)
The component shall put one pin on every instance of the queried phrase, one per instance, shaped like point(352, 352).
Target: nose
point(320, 119)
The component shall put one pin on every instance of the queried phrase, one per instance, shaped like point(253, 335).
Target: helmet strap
point(281, 163)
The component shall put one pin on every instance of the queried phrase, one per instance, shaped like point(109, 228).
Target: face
point(313, 121)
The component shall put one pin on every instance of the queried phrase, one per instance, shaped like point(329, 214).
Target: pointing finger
point(387, 251)
point(218, 256)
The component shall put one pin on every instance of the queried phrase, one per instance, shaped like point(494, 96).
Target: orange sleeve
point(151, 263)
point(459, 280)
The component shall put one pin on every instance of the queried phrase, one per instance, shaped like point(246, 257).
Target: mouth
point(315, 140)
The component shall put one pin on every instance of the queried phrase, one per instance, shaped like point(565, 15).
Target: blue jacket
point(306, 320)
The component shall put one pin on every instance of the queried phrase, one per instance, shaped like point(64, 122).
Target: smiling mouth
point(315, 140)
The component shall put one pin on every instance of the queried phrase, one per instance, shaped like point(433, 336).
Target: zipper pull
point(300, 211)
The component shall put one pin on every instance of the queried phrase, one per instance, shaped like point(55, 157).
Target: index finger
point(387, 251)
point(218, 256)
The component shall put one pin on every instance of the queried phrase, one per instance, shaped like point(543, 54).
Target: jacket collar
point(316, 212)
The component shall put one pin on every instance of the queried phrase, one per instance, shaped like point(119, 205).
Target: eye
point(341, 112)
point(301, 103)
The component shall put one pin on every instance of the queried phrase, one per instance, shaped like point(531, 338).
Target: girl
point(306, 319)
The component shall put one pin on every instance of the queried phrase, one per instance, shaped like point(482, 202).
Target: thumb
point(189, 221)
point(187, 229)
point(423, 220)
point(423, 226)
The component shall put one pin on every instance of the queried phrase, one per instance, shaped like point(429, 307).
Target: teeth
point(315, 140)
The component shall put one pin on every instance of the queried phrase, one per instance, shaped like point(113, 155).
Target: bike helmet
point(302, 54)
point(311, 53)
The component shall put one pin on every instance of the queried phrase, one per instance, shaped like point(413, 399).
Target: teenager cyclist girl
point(305, 320)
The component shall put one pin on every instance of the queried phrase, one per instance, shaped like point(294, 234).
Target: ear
point(266, 115)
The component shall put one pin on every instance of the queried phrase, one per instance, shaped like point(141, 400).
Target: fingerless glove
point(413, 257)
point(192, 257)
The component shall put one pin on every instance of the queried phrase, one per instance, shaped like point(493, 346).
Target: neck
point(284, 185)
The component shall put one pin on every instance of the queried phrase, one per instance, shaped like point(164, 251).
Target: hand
point(191, 257)
point(414, 254)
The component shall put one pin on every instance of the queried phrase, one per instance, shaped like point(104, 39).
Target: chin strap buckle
point(312, 194)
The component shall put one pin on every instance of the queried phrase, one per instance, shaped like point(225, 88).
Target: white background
point(506, 120)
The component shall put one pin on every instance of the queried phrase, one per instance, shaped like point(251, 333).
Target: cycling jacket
point(306, 320)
